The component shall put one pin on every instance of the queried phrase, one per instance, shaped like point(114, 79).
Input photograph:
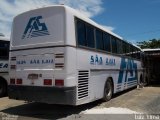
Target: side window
point(107, 42)
point(132, 50)
point(99, 40)
point(85, 34)
point(127, 49)
point(138, 53)
point(114, 44)
point(81, 33)
point(119, 46)
point(90, 36)
point(124, 48)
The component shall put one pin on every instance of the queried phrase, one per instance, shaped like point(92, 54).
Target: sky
point(133, 20)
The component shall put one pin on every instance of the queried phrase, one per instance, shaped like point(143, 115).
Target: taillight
point(13, 63)
point(59, 82)
point(19, 81)
point(13, 66)
point(12, 81)
point(47, 82)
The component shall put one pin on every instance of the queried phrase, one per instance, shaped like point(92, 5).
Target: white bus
point(4, 58)
point(59, 56)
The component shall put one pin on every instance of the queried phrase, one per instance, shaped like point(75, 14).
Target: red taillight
point(47, 82)
point(19, 81)
point(12, 81)
point(13, 66)
point(59, 82)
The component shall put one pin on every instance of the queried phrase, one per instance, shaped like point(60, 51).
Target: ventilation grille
point(83, 77)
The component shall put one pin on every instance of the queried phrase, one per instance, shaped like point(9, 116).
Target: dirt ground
point(146, 100)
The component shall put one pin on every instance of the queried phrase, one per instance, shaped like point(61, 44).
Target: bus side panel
point(70, 33)
point(70, 66)
point(98, 72)
point(123, 71)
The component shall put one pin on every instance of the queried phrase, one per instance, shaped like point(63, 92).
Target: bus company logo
point(128, 71)
point(35, 28)
point(3, 65)
point(96, 60)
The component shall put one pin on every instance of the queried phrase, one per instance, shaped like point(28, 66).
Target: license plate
point(33, 76)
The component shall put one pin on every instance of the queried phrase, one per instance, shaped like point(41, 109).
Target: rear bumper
point(51, 95)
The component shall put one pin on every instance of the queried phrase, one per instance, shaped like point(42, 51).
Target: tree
point(154, 43)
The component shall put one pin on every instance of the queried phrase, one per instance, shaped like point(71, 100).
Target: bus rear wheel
point(3, 88)
point(108, 90)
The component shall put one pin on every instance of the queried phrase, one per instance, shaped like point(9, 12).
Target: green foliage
point(154, 43)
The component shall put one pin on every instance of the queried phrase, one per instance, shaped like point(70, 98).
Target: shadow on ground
point(154, 84)
point(51, 111)
point(48, 111)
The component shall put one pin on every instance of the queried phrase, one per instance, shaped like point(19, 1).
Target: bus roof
point(147, 50)
point(78, 14)
point(136, 46)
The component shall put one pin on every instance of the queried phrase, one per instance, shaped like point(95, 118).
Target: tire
point(3, 88)
point(108, 90)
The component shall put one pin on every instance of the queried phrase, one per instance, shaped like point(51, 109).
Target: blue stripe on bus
point(130, 67)
point(122, 67)
point(132, 83)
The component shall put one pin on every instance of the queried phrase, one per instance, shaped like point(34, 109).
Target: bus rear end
point(38, 58)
